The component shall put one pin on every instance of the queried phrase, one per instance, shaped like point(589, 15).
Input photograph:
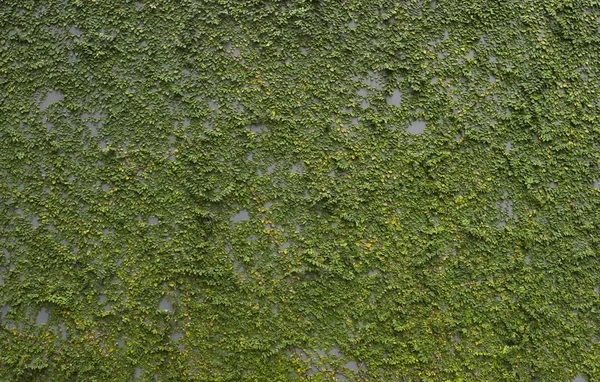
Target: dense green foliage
point(244, 191)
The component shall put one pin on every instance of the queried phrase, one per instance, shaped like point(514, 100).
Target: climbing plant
point(299, 190)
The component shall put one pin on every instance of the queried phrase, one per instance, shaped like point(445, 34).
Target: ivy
point(299, 190)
